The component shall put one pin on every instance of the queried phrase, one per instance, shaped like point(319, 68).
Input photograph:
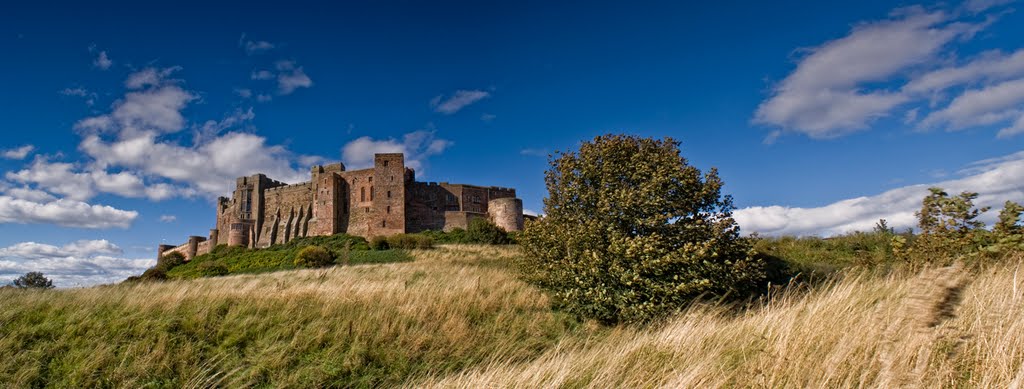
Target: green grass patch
point(240, 260)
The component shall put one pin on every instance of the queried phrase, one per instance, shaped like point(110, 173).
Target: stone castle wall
point(383, 200)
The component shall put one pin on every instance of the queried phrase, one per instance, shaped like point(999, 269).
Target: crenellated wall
point(383, 200)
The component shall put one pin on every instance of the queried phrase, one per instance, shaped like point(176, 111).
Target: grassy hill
point(457, 316)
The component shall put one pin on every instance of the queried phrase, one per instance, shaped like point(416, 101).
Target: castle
point(383, 200)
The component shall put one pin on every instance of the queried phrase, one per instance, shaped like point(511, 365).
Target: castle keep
point(383, 200)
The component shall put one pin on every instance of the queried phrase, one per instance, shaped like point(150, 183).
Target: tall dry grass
point(374, 325)
point(943, 327)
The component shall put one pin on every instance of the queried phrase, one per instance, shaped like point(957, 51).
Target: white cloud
point(102, 61)
point(149, 77)
point(90, 97)
point(487, 117)
point(989, 66)
point(458, 101)
point(80, 263)
point(291, 77)
point(979, 107)
point(982, 5)
point(417, 147)
point(18, 153)
point(244, 93)
point(535, 152)
point(168, 218)
point(67, 180)
point(256, 47)
point(262, 75)
point(996, 180)
point(828, 94)
point(29, 194)
point(63, 212)
point(81, 248)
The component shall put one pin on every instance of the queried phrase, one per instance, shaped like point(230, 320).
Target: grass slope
point(457, 317)
point(240, 260)
point(375, 325)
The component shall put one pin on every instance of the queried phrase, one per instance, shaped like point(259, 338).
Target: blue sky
point(121, 122)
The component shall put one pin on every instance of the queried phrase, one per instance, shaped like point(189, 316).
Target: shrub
point(212, 269)
point(410, 241)
point(379, 243)
point(632, 233)
point(170, 260)
point(33, 280)
point(949, 229)
point(314, 256)
point(154, 274)
point(482, 231)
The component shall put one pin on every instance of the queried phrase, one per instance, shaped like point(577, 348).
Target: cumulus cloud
point(81, 248)
point(63, 212)
point(168, 218)
point(291, 77)
point(132, 138)
point(417, 146)
point(457, 101)
point(67, 180)
point(844, 85)
point(80, 263)
point(18, 152)
point(90, 97)
point(996, 180)
point(102, 61)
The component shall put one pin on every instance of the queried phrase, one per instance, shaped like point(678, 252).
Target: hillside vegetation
point(457, 316)
point(370, 325)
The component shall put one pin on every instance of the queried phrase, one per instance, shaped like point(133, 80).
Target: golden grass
point(450, 309)
point(458, 317)
point(938, 328)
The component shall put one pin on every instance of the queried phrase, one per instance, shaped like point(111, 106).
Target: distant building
point(383, 200)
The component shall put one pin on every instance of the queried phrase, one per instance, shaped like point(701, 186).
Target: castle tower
point(506, 213)
point(388, 193)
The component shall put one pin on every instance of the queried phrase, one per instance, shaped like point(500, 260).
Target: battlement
point(383, 199)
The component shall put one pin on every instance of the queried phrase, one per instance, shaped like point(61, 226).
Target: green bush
point(379, 243)
point(482, 231)
point(33, 280)
point(212, 269)
point(314, 256)
point(410, 241)
point(632, 233)
point(170, 260)
point(154, 274)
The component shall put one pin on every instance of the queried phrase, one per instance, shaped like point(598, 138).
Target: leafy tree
point(950, 228)
point(1009, 218)
point(632, 232)
point(170, 260)
point(484, 232)
point(34, 280)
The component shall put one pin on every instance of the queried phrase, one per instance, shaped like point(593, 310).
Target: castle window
point(367, 209)
point(392, 178)
point(389, 194)
point(389, 209)
point(371, 193)
point(370, 179)
point(362, 194)
point(385, 163)
point(383, 223)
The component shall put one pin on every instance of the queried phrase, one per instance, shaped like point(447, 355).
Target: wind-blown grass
point(369, 325)
point(457, 316)
point(938, 328)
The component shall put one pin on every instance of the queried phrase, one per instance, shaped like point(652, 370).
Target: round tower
point(506, 213)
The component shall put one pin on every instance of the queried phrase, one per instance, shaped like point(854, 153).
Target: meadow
point(458, 316)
